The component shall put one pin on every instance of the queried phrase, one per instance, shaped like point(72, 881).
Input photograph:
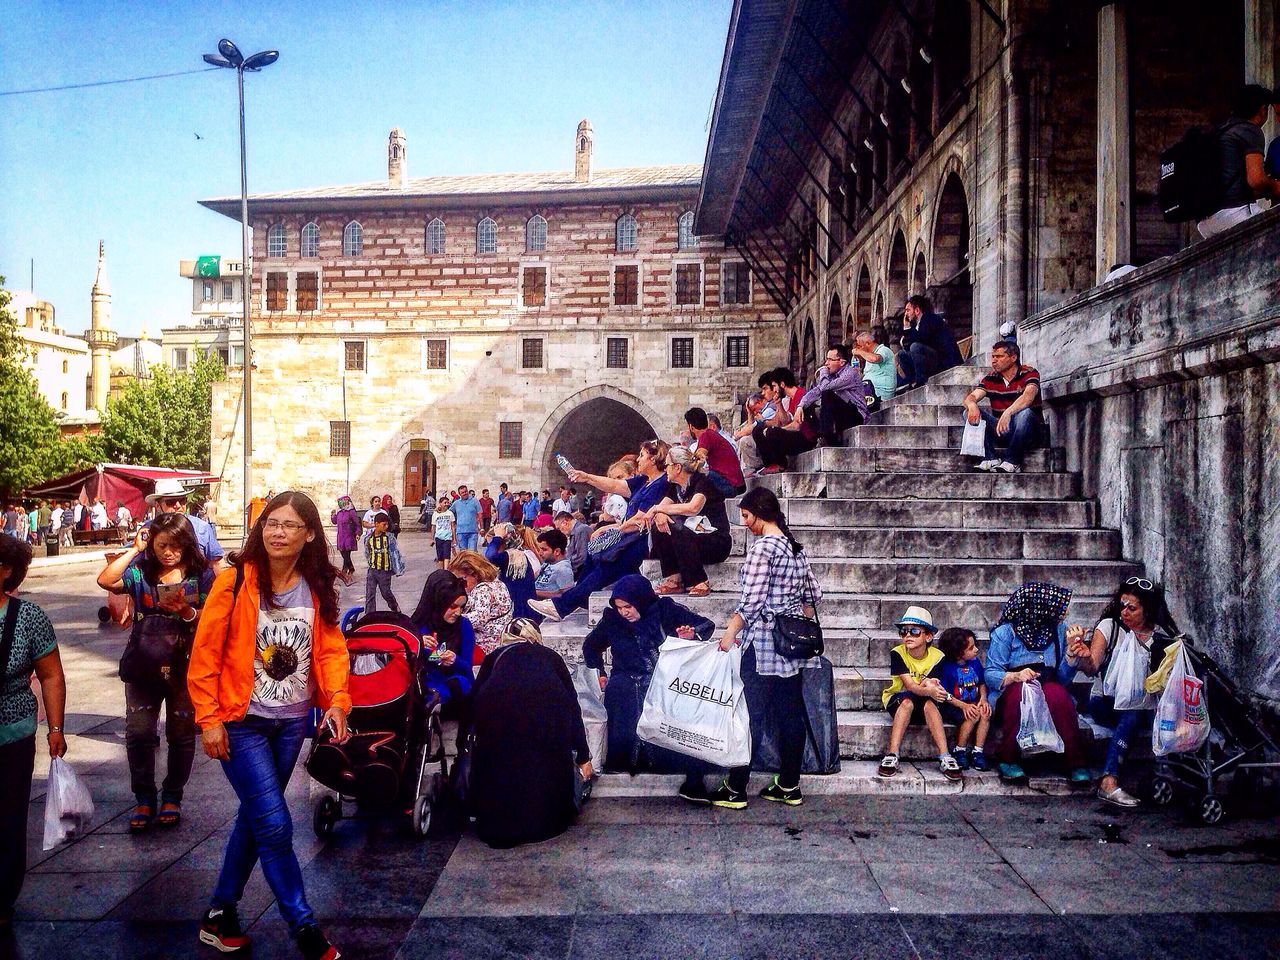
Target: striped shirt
point(1002, 393)
point(773, 580)
point(377, 551)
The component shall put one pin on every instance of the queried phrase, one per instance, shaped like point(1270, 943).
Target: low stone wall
point(1164, 388)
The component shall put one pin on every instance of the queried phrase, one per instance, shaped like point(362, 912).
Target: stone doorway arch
point(953, 278)
point(593, 428)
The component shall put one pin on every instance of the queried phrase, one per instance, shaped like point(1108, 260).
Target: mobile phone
point(167, 590)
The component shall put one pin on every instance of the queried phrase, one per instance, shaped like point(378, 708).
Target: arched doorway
point(594, 435)
point(917, 274)
point(897, 272)
point(419, 474)
point(864, 316)
point(809, 362)
point(953, 281)
point(793, 355)
point(835, 322)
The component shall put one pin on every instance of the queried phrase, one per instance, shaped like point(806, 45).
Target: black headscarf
point(1035, 609)
point(439, 593)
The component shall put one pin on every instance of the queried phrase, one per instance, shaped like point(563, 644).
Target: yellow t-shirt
point(900, 662)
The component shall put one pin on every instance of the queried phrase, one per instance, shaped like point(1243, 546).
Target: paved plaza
point(964, 875)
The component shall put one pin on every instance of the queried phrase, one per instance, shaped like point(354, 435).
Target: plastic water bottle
point(563, 463)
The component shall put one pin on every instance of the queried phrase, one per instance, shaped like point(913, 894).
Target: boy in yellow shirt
point(916, 691)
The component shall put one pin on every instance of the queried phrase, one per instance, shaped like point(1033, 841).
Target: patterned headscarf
point(1035, 609)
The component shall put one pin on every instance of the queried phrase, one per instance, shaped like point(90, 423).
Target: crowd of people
point(39, 521)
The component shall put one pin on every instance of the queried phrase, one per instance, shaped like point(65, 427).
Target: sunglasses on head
point(911, 631)
point(1140, 583)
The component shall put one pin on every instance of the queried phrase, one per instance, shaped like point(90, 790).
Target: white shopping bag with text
point(1036, 732)
point(1182, 716)
point(695, 704)
point(974, 441)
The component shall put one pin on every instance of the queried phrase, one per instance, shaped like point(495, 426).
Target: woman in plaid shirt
point(776, 578)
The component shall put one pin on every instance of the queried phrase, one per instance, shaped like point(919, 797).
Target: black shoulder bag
point(158, 650)
point(796, 636)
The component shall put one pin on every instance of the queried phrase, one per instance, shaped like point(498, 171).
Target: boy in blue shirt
point(961, 677)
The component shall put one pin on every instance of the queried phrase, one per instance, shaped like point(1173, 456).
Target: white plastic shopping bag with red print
point(1182, 716)
point(695, 704)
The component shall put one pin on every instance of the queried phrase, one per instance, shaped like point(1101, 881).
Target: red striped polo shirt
point(1003, 394)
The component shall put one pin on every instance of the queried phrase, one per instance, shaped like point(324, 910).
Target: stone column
point(1259, 49)
point(1114, 242)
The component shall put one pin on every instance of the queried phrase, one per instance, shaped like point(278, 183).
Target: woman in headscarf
point(530, 756)
point(393, 514)
point(511, 550)
point(450, 641)
point(634, 626)
point(1032, 642)
point(347, 521)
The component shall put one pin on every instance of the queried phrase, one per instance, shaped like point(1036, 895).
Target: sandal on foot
point(665, 588)
point(170, 814)
point(141, 818)
point(699, 590)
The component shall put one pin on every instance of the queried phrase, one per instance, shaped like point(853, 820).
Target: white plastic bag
point(586, 681)
point(1036, 732)
point(1182, 716)
point(695, 704)
point(68, 808)
point(974, 441)
point(1126, 674)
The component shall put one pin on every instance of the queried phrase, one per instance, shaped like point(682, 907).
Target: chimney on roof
point(397, 159)
point(582, 152)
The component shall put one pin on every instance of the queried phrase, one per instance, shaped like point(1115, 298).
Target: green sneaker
point(780, 794)
point(727, 797)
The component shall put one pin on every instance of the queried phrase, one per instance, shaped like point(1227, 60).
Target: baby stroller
point(1239, 740)
point(395, 732)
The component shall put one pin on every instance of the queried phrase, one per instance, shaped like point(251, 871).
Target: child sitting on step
point(916, 691)
point(961, 677)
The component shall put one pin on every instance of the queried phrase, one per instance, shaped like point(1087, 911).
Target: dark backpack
point(1191, 176)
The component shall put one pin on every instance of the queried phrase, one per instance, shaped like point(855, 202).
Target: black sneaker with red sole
point(220, 929)
point(314, 945)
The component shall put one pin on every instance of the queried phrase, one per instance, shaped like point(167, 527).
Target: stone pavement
point(924, 875)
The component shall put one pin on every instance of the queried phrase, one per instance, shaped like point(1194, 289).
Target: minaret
point(397, 159)
point(100, 337)
point(582, 152)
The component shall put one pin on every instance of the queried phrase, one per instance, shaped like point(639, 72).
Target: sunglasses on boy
point(911, 631)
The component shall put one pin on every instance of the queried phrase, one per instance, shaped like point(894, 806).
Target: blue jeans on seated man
point(725, 485)
point(263, 755)
point(918, 364)
point(1123, 723)
point(1026, 433)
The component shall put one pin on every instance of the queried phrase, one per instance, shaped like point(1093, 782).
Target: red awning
point(116, 482)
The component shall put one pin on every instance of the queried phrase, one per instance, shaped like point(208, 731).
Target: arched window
point(535, 234)
point(275, 240)
point(625, 233)
point(685, 239)
point(64, 401)
point(486, 236)
point(64, 366)
point(352, 239)
point(310, 240)
point(435, 236)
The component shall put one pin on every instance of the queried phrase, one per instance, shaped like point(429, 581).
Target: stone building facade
point(421, 333)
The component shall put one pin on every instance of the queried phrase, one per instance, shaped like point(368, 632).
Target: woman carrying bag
point(776, 581)
point(268, 637)
point(167, 577)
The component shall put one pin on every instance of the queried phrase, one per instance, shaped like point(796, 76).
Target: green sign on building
point(208, 266)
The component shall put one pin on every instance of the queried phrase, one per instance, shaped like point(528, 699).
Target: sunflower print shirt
point(282, 662)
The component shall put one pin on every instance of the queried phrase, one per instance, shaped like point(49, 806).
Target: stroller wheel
point(422, 816)
point(328, 812)
point(1161, 792)
point(1210, 810)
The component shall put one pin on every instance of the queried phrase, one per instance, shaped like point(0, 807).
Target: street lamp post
point(229, 55)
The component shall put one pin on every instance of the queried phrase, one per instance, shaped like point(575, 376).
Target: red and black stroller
point(395, 732)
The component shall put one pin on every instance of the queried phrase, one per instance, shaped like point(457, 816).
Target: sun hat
point(167, 488)
point(917, 617)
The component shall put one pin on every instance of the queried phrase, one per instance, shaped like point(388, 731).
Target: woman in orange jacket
point(268, 644)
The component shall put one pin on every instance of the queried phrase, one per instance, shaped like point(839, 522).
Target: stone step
point(877, 436)
point(918, 415)
point(864, 734)
point(943, 394)
point(862, 688)
point(912, 460)
point(929, 576)
point(931, 486)
point(990, 515)
point(1010, 544)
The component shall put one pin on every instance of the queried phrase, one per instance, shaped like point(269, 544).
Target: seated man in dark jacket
point(928, 345)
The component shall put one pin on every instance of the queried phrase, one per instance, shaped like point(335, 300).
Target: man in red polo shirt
point(723, 467)
point(1014, 421)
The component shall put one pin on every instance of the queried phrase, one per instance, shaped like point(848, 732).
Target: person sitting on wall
point(838, 396)
point(1014, 421)
point(1243, 177)
point(928, 345)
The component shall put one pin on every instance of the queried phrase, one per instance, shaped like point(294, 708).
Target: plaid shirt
point(773, 580)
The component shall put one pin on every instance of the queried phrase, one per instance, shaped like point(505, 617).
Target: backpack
point(1191, 176)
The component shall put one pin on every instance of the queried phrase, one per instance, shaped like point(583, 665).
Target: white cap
point(165, 488)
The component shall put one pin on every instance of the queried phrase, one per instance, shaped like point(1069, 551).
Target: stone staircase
point(896, 517)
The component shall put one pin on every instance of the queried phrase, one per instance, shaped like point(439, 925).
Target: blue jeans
point(597, 575)
point(1026, 433)
point(1124, 723)
point(918, 363)
point(263, 754)
point(467, 541)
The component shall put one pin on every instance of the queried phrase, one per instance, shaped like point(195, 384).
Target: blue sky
point(483, 86)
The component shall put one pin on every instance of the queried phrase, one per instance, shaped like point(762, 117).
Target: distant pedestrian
point(393, 514)
point(124, 521)
point(380, 550)
point(486, 510)
point(443, 526)
point(347, 523)
point(466, 510)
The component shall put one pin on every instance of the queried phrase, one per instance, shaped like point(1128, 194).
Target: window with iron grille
point(682, 352)
point(435, 236)
point(307, 290)
point(275, 240)
point(531, 353)
point(206, 291)
point(353, 354)
point(179, 358)
point(688, 284)
point(310, 246)
point(228, 290)
point(510, 440)
point(486, 236)
point(735, 283)
point(626, 285)
point(339, 438)
point(437, 354)
point(535, 234)
point(737, 351)
point(685, 238)
point(625, 234)
point(616, 353)
point(533, 286)
point(352, 239)
point(277, 292)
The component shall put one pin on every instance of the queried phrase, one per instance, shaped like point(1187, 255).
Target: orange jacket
point(220, 676)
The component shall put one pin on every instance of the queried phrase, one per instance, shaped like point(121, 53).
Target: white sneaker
point(1119, 797)
point(1004, 466)
point(987, 466)
point(547, 608)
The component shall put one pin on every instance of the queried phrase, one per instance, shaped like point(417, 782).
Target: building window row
point(296, 291)
point(735, 284)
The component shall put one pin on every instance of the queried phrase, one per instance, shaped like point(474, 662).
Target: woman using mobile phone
point(268, 643)
point(166, 575)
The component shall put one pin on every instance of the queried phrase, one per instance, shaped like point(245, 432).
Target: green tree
point(28, 430)
point(164, 421)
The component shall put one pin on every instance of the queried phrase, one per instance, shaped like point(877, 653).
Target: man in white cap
point(916, 691)
point(170, 496)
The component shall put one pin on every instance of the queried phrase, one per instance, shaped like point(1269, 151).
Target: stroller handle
point(372, 633)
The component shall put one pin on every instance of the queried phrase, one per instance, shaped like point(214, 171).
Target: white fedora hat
point(166, 488)
point(918, 617)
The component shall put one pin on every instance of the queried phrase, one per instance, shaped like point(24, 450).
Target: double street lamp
point(229, 56)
